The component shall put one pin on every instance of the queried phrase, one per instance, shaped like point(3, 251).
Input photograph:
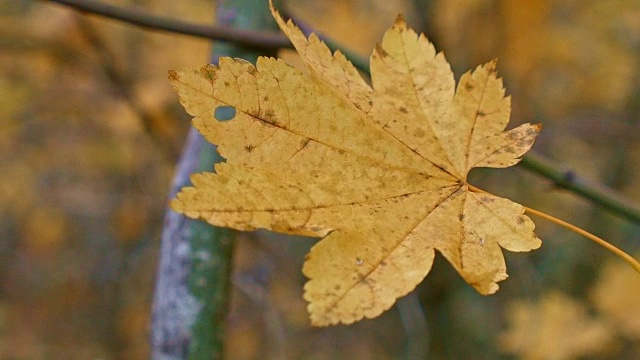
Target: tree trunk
point(192, 289)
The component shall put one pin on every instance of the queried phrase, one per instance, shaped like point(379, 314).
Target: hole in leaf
point(224, 113)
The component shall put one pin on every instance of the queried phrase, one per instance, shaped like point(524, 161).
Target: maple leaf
point(379, 172)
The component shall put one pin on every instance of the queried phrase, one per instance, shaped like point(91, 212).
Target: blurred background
point(90, 131)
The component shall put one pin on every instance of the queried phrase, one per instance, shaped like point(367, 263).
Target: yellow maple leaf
point(379, 172)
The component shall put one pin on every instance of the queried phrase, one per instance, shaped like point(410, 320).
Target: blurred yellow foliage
point(560, 53)
point(72, 145)
point(45, 231)
point(617, 296)
point(129, 221)
point(555, 327)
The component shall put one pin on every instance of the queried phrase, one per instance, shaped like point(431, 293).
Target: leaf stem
point(568, 180)
point(628, 258)
point(620, 253)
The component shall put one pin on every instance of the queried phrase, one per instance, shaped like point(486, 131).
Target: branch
point(260, 41)
point(176, 308)
point(250, 39)
point(567, 180)
point(193, 285)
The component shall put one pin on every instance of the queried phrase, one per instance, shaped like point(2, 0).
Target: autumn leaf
point(378, 172)
point(555, 327)
point(617, 295)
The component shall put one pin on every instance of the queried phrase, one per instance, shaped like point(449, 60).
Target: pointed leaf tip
point(400, 22)
point(492, 65)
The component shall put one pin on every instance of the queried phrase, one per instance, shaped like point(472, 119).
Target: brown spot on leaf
point(400, 22)
point(491, 66)
point(403, 110)
point(534, 130)
point(268, 114)
point(382, 52)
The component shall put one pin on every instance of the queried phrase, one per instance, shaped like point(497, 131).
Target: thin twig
point(569, 180)
point(414, 322)
point(250, 39)
point(265, 40)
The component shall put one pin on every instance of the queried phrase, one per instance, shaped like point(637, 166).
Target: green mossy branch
point(193, 283)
